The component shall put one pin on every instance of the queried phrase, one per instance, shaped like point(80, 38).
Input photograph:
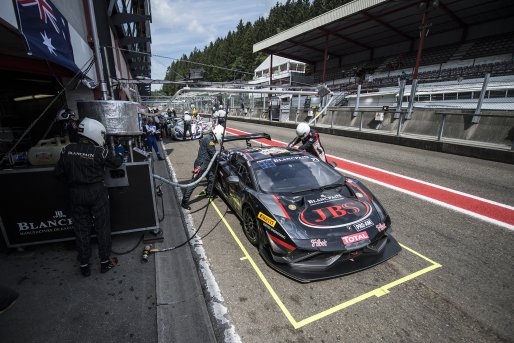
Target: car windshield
point(294, 174)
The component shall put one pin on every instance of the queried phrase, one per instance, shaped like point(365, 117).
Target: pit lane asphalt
point(468, 298)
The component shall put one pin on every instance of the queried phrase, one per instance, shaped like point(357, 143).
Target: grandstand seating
point(490, 47)
point(472, 59)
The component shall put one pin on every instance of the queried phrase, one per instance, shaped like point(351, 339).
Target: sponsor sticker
point(363, 225)
point(318, 243)
point(274, 151)
point(324, 198)
point(334, 211)
point(269, 228)
point(266, 219)
point(266, 164)
point(381, 227)
point(290, 158)
point(59, 222)
point(357, 237)
point(291, 207)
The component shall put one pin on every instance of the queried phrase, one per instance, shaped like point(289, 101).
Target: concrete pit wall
point(425, 122)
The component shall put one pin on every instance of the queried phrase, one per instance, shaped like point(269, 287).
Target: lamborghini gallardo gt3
point(308, 221)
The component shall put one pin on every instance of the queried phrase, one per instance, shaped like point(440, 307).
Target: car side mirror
point(333, 164)
point(234, 179)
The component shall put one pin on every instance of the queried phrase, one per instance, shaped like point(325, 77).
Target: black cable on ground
point(217, 155)
point(131, 249)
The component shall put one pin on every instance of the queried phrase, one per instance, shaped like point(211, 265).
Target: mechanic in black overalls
point(310, 141)
point(206, 151)
point(82, 165)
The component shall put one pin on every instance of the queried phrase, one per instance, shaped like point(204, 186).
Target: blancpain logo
point(59, 222)
point(324, 198)
point(81, 154)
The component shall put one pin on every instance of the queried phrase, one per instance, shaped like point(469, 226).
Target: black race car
point(308, 221)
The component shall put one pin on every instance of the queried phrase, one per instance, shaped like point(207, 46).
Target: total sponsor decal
point(316, 243)
point(357, 237)
point(59, 222)
point(363, 225)
point(267, 219)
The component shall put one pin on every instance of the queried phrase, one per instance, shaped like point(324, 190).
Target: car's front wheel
point(250, 225)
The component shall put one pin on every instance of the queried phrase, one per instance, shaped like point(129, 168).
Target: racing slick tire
point(250, 225)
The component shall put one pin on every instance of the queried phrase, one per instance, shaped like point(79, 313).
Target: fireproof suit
point(206, 151)
point(311, 143)
point(187, 128)
point(82, 165)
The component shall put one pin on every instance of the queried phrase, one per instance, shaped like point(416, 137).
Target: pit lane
point(411, 297)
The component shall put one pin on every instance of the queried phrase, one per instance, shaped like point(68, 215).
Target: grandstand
point(363, 51)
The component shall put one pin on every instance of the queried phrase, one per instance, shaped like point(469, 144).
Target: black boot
point(85, 270)
point(105, 266)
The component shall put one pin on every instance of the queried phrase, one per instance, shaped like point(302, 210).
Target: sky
point(178, 26)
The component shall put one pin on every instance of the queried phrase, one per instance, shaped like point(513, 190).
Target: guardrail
point(391, 122)
point(444, 115)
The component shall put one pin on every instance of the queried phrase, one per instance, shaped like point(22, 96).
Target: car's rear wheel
point(250, 225)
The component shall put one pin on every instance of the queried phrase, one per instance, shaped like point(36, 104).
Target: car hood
point(327, 214)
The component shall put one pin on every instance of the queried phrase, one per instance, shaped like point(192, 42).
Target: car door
point(237, 191)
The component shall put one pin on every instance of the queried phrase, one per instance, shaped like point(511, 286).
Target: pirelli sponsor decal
point(266, 219)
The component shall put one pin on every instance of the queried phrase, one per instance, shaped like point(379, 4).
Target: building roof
point(370, 25)
point(277, 60)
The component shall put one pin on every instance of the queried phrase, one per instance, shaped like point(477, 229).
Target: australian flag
point(46, 31)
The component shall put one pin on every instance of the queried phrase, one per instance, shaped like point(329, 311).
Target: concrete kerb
point(182, 314)
point(219, 325)
point(413, 141)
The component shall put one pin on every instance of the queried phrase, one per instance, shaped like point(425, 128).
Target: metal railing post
point(357, 100)
point(361, 120)
point(400, 119)
point(441, 127)
point(476, 118)
point(298, 109)
point(332, 120)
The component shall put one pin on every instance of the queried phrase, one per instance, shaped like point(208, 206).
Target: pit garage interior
point(31, 84)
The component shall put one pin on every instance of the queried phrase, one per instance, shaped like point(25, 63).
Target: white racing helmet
point(66, 114)
point(92, 129)
point(218, 133)
point(302, 130)
point(222, 113)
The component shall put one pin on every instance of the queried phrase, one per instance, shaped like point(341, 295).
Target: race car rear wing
point(247, 138)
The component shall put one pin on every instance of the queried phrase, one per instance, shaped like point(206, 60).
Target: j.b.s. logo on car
point(337, 212)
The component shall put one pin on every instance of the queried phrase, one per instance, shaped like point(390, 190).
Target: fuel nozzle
point(146, 252)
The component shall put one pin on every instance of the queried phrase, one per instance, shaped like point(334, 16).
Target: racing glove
point(196, 171)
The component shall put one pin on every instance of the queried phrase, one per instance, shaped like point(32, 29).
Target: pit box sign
point(35, 206)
